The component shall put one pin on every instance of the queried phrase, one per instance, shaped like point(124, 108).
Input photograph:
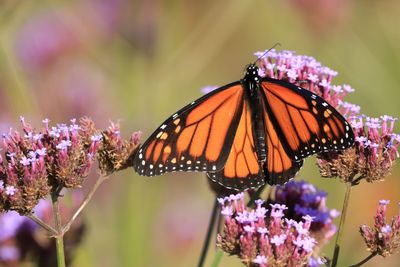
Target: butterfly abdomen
point(251, 85)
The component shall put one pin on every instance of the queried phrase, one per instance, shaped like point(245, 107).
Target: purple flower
point(96, 138)
point(278, 240)
point(59, 156)
point(10, 190)
point(306, 72)
point(266, 239)
point(208, 89)
point(64, 144)
point(21, 239)
point(260, 259)
point(371, 158)
point(383, 238)
point(41, 151)
point(384, 202)
point(315, 262)
point(305, 202)
point(25, 161)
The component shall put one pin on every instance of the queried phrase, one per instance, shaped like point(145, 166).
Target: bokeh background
point(139, 61)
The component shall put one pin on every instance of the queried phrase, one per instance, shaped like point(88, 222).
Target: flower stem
point(211, 224)
point(365, 260)
point(256, 195)
point(58, 227)
point(41, 223)
point(217, 259)
point(341, 224)
point(88, 197)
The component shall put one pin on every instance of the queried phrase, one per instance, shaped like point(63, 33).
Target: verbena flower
point(373, 155)
point(38, 163)
point(384, 237)
point(304, 199)
point(21, 239)
point(264, 237)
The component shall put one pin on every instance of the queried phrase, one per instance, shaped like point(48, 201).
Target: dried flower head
point(115, 153)
point(264, 238)
point(384, 237)
point(372, 157)
point(302, 199)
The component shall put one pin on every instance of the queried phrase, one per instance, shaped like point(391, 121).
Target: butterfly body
point(251, 85)
point(245, 134)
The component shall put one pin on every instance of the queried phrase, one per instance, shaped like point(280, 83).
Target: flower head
point(373, 155)
point(267, 239)
point(384, 237)
point(304, 71)
point(55, 157)
point(305, 202)
point(116, 153)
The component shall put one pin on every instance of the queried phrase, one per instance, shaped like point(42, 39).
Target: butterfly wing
point(242, 169)
point(299, 124)
point(196, 138)
point(279, 167)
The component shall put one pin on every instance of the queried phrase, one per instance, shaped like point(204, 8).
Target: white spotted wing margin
point(196, 138)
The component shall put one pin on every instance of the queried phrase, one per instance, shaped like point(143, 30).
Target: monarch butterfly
point(245, 133)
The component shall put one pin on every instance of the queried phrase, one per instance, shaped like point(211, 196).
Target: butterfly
point(245, 134)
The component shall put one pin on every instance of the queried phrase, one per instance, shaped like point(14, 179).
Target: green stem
point(341, 224)
point(58, 227)
point(217, 259)
point(365, 260)
point(256, 195)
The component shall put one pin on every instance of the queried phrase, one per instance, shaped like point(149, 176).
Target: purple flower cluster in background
point(21, 238)
point(304, 199)
point(38, 163)
point(264, 236)
point(384, 238)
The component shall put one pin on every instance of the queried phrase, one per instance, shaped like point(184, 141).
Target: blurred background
point(137, 62)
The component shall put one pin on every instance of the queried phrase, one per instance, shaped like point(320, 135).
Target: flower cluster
point(384, 237)
point(302, 199)
point(116, 154)
point(264, 238)
point(22, 239)
point(38, 163)
point(307, 72)
point(372, 157)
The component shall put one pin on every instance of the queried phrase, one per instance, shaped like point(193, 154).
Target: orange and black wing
point(299, 124)
point(196, 138)
point(242, 169)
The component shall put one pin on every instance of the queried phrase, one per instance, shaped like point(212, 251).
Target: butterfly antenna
point(266, 52)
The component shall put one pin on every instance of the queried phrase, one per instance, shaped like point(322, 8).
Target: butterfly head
point(251, 73)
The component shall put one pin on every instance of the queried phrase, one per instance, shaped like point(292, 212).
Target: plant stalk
point(365, 260)
point(58, 227)
point(211, 224)
point(88, 197)
point(41, 223)
point(341, 225)
point(217, 259)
